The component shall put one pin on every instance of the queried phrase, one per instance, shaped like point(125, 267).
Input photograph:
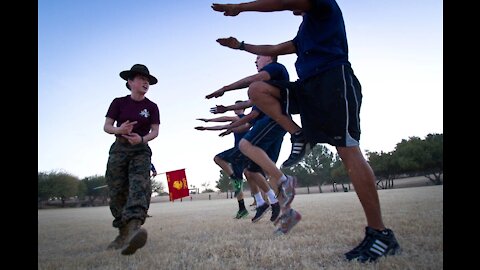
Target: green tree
point(301, 172)
point(95, 188)
point(409, 153)
point(62, 185)
point(314, 169)
point(223, 183)
point(386, 168)
point(434, 165)
point(158, 187)
point(338, 172)
point(417, 156)
point(45, 190)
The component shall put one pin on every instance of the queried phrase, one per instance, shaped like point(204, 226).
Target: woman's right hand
point(127, 127)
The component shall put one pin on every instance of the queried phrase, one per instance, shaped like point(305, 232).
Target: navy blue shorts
point(236, 159)
point(328, 104)
point(267, 135)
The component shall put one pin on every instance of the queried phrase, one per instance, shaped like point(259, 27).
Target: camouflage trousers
point(128, 180)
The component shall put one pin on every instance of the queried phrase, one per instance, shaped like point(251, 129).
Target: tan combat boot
point(120, 239)
point(136, 238)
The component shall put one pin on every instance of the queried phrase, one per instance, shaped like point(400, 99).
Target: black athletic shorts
point(328, 104)
point(236, 159)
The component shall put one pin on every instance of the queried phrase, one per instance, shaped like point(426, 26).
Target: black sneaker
point(275, 211)
point(261, 210)
point(299, 149)
point(374, 245)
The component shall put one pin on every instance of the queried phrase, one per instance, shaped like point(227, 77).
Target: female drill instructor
point(128, 167)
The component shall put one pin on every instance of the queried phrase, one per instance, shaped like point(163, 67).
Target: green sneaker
point(241, 214)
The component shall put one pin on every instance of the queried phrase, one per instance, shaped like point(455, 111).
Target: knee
point(216, 159)
point(255, 90)
point(243, 146)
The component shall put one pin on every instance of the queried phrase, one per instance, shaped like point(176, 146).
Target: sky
point(395, 48)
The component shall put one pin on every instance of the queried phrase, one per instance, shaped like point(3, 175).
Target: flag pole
point(100, 187)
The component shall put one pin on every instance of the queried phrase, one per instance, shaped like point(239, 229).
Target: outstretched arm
point(239, 126)
point(220, 127)
point(268, 50)
point(242, 83)
point(262, 6)
point(244, 120)
point(237, 106)
point(219, 119)
point(241, 122)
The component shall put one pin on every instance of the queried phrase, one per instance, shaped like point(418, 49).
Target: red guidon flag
point(177, 184)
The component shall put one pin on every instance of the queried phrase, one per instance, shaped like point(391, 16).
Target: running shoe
point(261, 210)
point(287, 221)
point(287, 189)
point(275, 211)
point(241, 214)
point(299, 149)
point(375, 245)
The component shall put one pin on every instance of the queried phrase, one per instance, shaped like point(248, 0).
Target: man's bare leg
point(267, 98)
point(363, 180)
point(224, 165)
point(259, 156)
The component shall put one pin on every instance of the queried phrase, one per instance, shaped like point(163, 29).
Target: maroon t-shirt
point(145, 112)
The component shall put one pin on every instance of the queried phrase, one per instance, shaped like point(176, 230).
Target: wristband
point(242, 46)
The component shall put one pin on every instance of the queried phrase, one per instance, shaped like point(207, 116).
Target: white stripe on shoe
point(378, 247)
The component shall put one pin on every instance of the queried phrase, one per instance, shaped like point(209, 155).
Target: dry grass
point(202, 234)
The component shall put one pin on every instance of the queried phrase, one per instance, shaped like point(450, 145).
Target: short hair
point(274, 58)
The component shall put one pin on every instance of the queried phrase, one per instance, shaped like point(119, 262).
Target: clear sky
point(396, 51)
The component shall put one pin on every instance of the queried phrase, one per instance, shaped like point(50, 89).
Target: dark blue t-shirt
point(321, 41)
point(238, 136)
point(277, 72)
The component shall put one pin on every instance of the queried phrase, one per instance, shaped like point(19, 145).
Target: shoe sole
point(395, 251)
point(115, 246)
point(283, 211)
point(137, 241)
point(297, 219)
point(242, 216)
point(357, 257)
point(308, 149)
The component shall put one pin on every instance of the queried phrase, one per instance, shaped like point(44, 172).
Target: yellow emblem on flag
point(178, 184)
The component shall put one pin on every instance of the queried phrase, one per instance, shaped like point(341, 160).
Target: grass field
point(202, 234)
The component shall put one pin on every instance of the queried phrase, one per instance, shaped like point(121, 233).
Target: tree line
point(411, 157)
point(89, 191)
